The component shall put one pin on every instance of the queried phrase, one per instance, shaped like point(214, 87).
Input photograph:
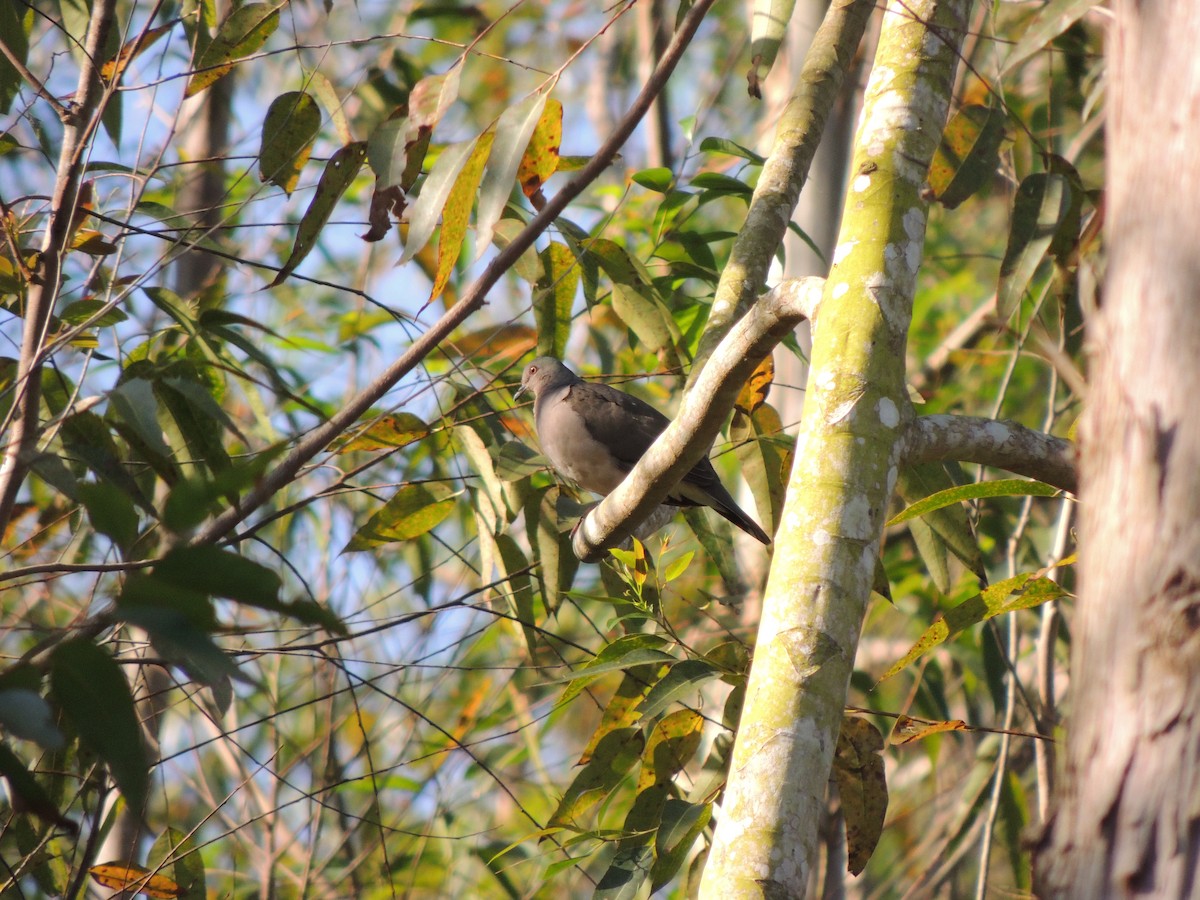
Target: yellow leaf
point(672, 743)
point(908, 729)
point(121, 877)
point(541, 155)
point(458, 209)
point(754, 392)
point(388, 433)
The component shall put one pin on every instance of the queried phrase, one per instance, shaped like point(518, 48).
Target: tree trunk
point(1127, 815)
point(844, 472)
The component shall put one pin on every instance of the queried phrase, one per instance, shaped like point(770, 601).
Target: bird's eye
point(533, 370)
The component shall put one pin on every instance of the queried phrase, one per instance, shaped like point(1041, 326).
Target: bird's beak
point(521, 389)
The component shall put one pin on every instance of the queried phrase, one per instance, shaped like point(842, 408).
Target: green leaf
point(514, 461)
point(87, 437)
point(387, 433)
point(933, 553)
point(613, 760)
point(554, 297)
point(111, 512)
point(730, 148)
point(1019, 592)
point(627, 872)
point(477, 454)
point(518, 588)
point(940, 529)
point(339, 174)
point(1010, 487)
point(621, 711)
point(162, 612)
point(678, 567)
point(1047, 23)
point(220, 573)
point(626, 651)
point(81, 310)
point(764, 455)
point(642, 311)
point(242, 33)
point(176, 855)
point(529, 264)
point(616, 262)
point(387, 151)
point(1042, 205)
point(94, 696)
point(133, 402)
point(659, 179)
point(334, 107)
point(681, 824)
point(292, 124)
point(413, 510)
point(968, 155)
point(199, 419)
point(717, 183)
point(16, 21)
point(24, 790)
point(192, 500)
point(683, 679)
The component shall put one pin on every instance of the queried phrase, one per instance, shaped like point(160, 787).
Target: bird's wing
point(624, 424)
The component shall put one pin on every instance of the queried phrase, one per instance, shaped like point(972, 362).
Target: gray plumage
point(594, 434)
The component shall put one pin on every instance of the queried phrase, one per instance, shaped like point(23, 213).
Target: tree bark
point(845, 470)
point(1127, 817)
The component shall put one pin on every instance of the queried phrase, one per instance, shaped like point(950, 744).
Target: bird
point(594, 434)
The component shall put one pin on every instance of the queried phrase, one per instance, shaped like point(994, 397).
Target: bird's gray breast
point(571, 447)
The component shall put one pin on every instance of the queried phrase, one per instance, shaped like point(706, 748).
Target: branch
point(38, 88)
point(78, 126)
point(701, 414)
point(991, 442)
point(472, 300)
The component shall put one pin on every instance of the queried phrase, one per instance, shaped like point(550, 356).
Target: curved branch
point(472, 299)
point(991, 442)
point(702, 412)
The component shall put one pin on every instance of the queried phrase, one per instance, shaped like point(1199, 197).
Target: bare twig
point(38, 88)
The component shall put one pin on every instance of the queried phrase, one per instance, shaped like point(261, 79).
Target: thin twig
point(38, 88)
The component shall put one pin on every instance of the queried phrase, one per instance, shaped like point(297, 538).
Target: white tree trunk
point(1127, 817)
point(844, 472)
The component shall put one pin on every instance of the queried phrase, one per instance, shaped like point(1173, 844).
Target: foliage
point(392, 677)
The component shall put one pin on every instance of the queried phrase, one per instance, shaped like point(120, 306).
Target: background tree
point(316, 510)
point(1124, 823)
